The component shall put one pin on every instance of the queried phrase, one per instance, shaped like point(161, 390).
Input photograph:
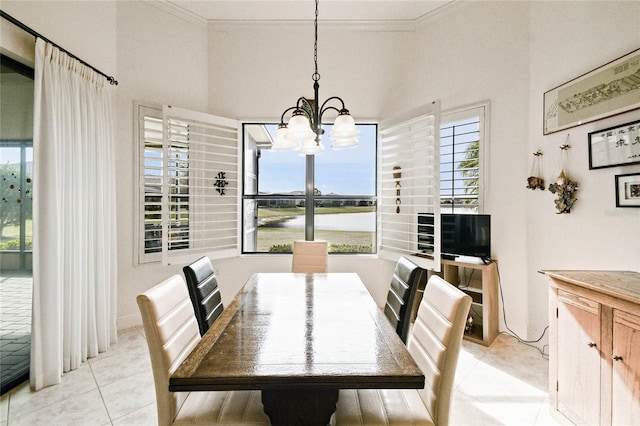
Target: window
point(462, 135)
point(274, 197)
point(188, 176)
point(16, 165)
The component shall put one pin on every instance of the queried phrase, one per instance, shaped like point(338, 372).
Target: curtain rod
point(34, 33)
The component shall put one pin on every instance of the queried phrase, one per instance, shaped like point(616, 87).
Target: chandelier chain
point(316, 75)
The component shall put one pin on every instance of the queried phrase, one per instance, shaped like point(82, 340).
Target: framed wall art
point(615, 146)
point(608, 90)
point(628, 190)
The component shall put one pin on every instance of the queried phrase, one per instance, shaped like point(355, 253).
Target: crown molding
point(178, 12)
point(374, 26)
point(404, 25)
point(439, 12)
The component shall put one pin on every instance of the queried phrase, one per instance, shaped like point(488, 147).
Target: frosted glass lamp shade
point(310, 147)
point(344, 127)
point(281, 142)
point(344, 143)
point(299, 129)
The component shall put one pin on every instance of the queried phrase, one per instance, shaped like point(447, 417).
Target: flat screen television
point(460, 235)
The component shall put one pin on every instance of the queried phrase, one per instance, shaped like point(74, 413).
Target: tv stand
point(484, 293)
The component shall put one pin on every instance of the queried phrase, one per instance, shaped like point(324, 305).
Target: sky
point(11, 155)
point(345, 172)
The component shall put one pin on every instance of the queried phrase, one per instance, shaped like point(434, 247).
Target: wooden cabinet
point(625, 393)
point(480, 281)
point(579, 357)
point(594, 346)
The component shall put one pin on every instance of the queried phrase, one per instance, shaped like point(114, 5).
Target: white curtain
point(74, 225)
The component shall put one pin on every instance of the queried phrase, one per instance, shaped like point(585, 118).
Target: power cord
point(512, 333)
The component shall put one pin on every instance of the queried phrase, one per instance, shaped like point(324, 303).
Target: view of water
point(337, 222)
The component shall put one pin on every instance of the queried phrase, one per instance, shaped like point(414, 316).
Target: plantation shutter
point(409, 212)
point(200, 197)
point(150, 184)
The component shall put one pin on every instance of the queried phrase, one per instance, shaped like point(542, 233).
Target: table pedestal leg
point(299, 407)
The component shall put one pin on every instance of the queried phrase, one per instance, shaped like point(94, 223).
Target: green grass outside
point(268, 237)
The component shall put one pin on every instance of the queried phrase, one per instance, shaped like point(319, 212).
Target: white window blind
point(188, 167)
point(409, 212)
point(200, 197)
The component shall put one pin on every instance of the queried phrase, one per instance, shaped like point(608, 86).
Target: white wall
point(259, 72)
point(162, 59)
point(509, 53)
point(86, 29)
point(567, 40)
point(470, 53)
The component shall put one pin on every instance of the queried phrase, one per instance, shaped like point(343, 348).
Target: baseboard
point(129, 321)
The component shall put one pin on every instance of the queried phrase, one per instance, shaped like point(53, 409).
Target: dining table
point(299, 339)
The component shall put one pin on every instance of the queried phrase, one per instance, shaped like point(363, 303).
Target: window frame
point(303, 197)
point(481, 110)
point(23, 144)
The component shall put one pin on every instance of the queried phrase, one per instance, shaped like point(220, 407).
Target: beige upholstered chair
point(172, 332)
point(434, 343)
point(310, 257)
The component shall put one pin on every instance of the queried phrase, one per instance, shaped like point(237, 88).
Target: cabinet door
point(578, 358)
point(625, 395)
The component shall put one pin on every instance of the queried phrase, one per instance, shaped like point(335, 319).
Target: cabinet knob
point(591, 345)
point(617, 358)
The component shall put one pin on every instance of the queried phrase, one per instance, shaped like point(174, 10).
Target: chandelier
point(304, 130)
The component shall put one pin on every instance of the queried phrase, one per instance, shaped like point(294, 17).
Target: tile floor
point(505, 384)
point(15, 328)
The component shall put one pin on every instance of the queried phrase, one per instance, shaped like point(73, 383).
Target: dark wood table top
point(299, 331)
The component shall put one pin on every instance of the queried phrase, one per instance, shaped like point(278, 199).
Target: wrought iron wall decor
point(220, 183)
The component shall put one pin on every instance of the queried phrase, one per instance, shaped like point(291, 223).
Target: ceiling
point(304, 10)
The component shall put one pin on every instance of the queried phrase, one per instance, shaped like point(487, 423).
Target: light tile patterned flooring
point(505, 384)
point(15, 326)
